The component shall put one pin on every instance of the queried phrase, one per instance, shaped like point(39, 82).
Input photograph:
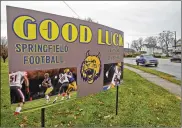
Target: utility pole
point(128, 47)
point(175, 39)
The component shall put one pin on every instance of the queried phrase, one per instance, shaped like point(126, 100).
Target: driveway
point(164, 66)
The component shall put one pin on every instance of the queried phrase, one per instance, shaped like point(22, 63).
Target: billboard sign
point(52, 56)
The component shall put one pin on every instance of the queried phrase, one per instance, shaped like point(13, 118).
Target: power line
point(144, 35)
point(71, 9)
point(154, 34)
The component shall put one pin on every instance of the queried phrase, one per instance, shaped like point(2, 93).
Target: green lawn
point(141, 103)
point(164, 57)
point(157, 73)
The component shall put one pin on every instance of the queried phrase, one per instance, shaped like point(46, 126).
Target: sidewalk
point(171, 87)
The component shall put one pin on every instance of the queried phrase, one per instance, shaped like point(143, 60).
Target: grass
point(141, 103)
point(164, 57)
point(157, 73)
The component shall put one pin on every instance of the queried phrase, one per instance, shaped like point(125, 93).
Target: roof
point(148, 46)
point(129, 50)
point(158, 47)
point(178, 42)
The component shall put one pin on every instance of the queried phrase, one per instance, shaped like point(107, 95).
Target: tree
point(137, 44)
point(151, 41)
point(90, 19)
point(166, 39)
point(140, 43)
point(4, 48)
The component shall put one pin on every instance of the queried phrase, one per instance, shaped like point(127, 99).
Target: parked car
point(137, 57)
point(176, 57)
point(147, 60)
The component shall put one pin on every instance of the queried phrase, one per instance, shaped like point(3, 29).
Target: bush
point(129, 55)
point(132, 55)
point(136, 54)
point(143, 52)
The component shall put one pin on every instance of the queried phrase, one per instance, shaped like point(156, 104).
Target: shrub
point(143, 52)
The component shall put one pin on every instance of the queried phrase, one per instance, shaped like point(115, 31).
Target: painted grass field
point(141, 103)
point(40, 103)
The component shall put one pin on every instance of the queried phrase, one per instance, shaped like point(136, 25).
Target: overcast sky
point(136, 19)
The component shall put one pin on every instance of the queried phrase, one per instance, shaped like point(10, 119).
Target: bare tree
point(166, 39)
point(140, 43)
point(4, 48)
point(137, 44)
point(90, 20)
point(151, 41)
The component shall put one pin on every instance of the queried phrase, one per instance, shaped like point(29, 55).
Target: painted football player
point(47, 83)
point(116, 76)
point(63, 90)
point(72, 82)
point(16, 81)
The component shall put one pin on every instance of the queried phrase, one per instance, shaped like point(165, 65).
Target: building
point(178, 47)
point(128, 51)
point(150, 50)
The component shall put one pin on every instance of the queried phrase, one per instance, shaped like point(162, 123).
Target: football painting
point(113, 75)
point(42, 87)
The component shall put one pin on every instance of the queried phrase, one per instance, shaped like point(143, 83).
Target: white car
point(137, 57)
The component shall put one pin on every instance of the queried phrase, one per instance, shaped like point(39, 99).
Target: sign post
point(117, 100)
point(42, 117)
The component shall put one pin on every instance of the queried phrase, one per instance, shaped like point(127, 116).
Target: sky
point(135, 18)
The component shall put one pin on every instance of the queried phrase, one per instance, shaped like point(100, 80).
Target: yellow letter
point(100, 37)
point(114, 39)
point(69, 36)
point(85, 30)
point(107, 38)
point(26, 31)
point(49, 30)
point(120, 40)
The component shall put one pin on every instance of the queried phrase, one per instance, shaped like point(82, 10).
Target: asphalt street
point(165, 65)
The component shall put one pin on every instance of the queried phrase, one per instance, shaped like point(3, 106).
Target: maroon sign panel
point(53, 58)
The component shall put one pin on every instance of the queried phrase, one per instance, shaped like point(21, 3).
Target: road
point(164, 66)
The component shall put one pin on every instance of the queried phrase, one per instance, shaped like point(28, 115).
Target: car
point(137, 57)
point(147, 60)
point(176, 57)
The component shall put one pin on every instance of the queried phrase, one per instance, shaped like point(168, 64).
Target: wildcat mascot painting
point(91, 68)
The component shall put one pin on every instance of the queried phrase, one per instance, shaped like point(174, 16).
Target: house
point(178, 46)
point(150, 50)
point(129, 51)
